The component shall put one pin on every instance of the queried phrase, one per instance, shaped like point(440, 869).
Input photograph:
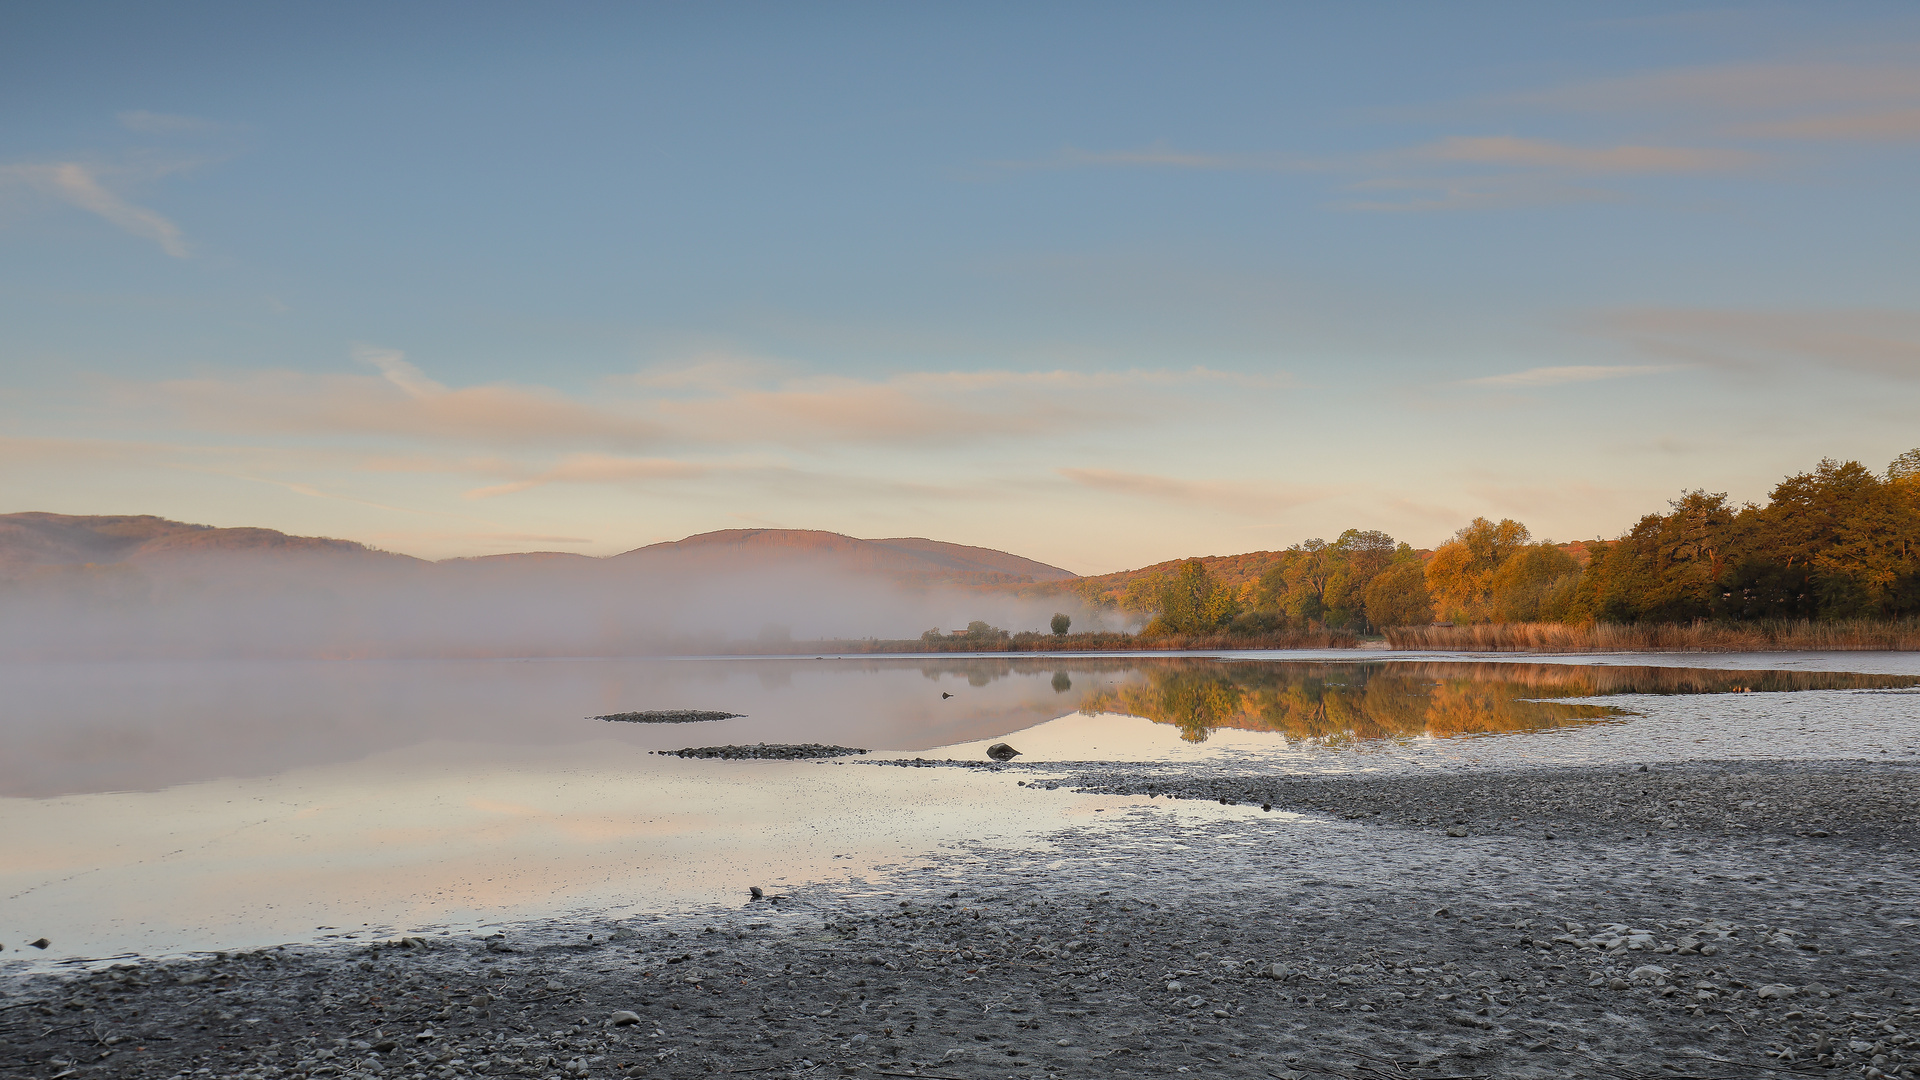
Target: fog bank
point(315, 605)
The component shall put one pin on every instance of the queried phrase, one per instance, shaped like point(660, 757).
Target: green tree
point(1061, 623)
point(1359, 557)
point(981, 631)
point(1193, 603)
point(1397, 596)
point(1534, 584)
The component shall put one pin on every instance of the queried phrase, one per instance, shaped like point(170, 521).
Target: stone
point(1002, 752)
point(623, 1018)
point(1648, 974)
point(754, 891)
point(1275, 971)
point(40, 944)
point(1456, 830)
point(1775, 992)
point(668, 716)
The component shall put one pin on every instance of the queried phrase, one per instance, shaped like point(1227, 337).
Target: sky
point(1099, 284)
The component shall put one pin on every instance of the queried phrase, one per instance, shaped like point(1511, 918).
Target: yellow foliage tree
point(1460, 574)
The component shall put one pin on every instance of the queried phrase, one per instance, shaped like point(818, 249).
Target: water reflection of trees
point(1358, 700)
point(1349, 702)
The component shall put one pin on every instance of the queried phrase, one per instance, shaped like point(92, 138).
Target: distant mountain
point(911, 557)
point(34, 540)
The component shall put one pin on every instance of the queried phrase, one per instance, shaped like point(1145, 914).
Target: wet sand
point(1715, 919)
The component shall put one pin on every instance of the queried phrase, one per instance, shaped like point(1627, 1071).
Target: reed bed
point(1049, 643)
point(1849, 635)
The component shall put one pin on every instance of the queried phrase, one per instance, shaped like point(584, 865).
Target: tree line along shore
point(1830, 562)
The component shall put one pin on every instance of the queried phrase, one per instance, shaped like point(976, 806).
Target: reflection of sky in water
point(73, 728)
point(159, 807)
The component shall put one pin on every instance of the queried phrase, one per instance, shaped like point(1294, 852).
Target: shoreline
point(1342, 932)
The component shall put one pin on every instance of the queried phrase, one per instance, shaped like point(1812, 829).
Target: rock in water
point(778, 751)
point(668, 716)
point(754, 891)
point(1002, 752)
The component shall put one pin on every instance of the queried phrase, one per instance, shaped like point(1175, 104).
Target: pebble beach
point(1710, 919)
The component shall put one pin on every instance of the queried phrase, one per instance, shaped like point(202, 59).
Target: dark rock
point(668, 716)
point(1002, 752)
point(779, 751)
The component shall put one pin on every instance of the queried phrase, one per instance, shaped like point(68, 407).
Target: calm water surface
point(159, 808)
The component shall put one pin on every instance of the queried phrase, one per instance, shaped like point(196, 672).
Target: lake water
point(168, 807)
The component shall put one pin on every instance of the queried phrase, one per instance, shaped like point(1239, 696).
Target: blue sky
point(1099, 284)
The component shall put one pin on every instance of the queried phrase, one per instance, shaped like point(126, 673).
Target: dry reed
point(1850, 635)
point(1028, 642)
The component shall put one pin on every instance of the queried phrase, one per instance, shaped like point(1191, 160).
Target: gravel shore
point(1712, 920)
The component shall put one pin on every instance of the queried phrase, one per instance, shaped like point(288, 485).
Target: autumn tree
point(1192, 602)
point(1397, 596)
point(1460, 574)
point(1314, 583)
point(1534, 584)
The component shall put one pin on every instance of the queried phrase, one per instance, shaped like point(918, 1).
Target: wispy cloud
point(1462, 172)
point(80, 186)
point(400, 402)
point(1497, 150)
point(939, 407)
point(1213, 494)
point(1417, 194)
point(394, 367)
point(153, 123)
point(1521, 153)
point(1871, 100)
point(1556, 376)
point(1898, 125)
point(713, 371)
point(708, 406)
point(1883, 343)
point(1738, 88)
point(598, 469)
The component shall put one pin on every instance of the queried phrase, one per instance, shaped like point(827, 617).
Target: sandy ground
point(1709, 920)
